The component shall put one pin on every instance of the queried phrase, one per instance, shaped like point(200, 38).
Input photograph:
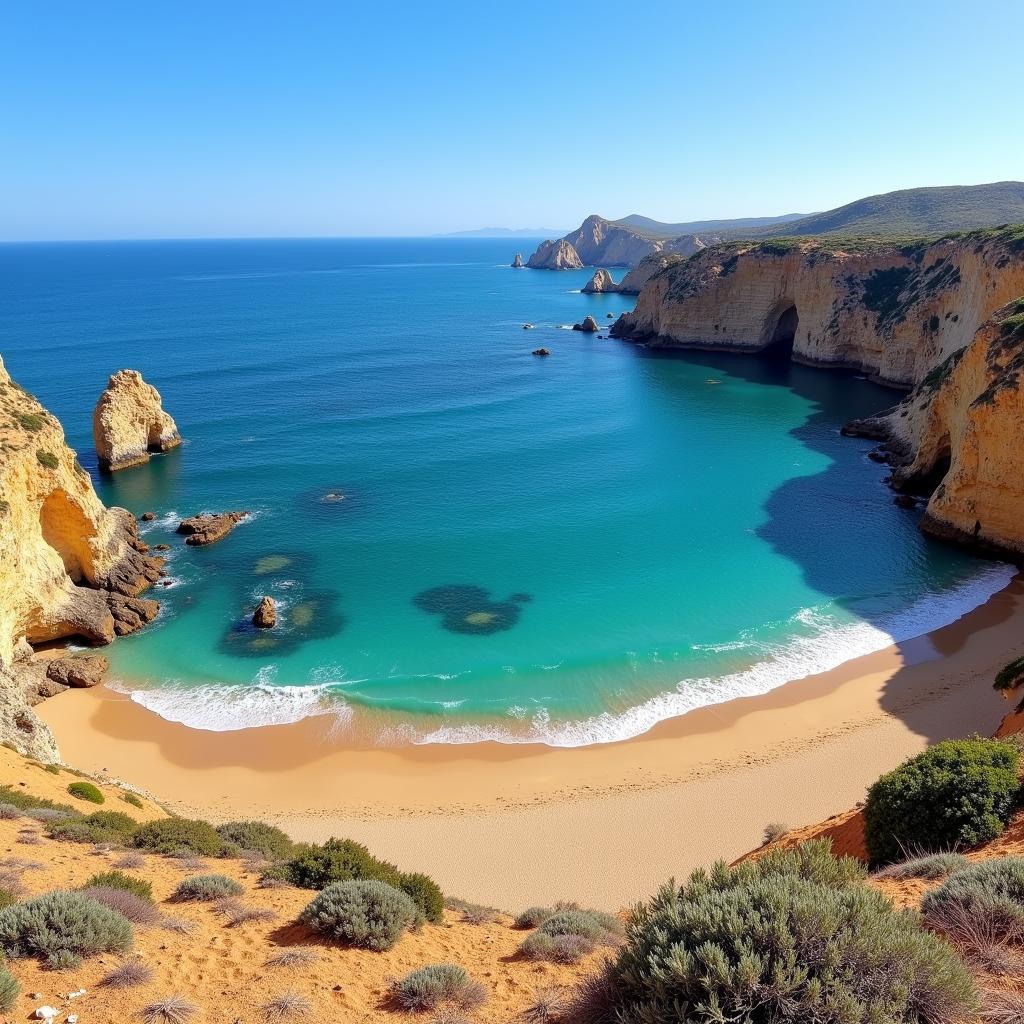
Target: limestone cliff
point(891, 310)
point(958, 436)
point(67, 559)
point(557, 255)
point(129, 422)
point(633, 282)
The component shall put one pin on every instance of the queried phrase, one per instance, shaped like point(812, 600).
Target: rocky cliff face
point(129, 422)
point(895, 311)
point(557, 255)
point(602, 281)
point(69, 563)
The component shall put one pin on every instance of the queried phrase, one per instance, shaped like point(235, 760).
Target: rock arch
point(780, 329)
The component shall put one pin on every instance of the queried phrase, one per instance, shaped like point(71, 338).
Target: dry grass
point(549, 1004)
point(1000, 1006)
point(169, 1010)
point(285, 1006)
point(293, 958)
point(129, 974)
point(180, 925)
point(130, 860)
point(248, 915)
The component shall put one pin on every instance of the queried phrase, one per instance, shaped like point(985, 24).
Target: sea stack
point(265, 616)
point(588, 324)
point(601, 282)
point(129, 422)
point(518, 263)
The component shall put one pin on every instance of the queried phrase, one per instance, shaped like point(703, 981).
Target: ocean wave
point(803, 656)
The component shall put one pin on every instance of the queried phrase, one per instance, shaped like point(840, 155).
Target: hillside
point(657, 229)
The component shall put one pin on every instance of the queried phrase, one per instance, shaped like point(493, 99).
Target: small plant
point(137, 909)
point(549, 1005)
point(100, 827)
point(1002, 1006)
point(285, 1006)
point(47, 459)
point(30, 421)
point(63, 960)
point(8, 812)
point(257, 837)
point(178, 925)
point(930, 866)
point(119, 880)
point(169, 1010)
point(957, 792)
point(369, 914)
point(532, 917)
point(1010, 676)
point(172, 836)
point(990, 895)
point(205, 889)
point(9, 990)
point(26, 801)
point(557, 949)
point(61, 920)
point(773, 832)
point(53, 769)
point(131, 798)
point(9, 895)
point(249, 915)
point(293, 958)
point(128, 975)
point(130, 860)
point(472, 913)
point(429, 986)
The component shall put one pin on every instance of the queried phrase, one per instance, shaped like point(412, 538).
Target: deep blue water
point(566, 548)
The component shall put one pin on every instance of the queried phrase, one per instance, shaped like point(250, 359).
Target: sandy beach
point(513, 825)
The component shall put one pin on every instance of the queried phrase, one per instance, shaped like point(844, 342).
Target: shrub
point(130, 860)
point(363, 912)
point(131, 798)
point(426, 988)
point(549, 1004)
point(532, 917)
point(177, 835)
point(169, 1010)
point(1010, 676)
point(8, 896)
point(30, 421)
point(47, 459)
point(989, 894)
point(63, 960)
point(131, 906)
point(288, 1004)
point(8, 812)
point(205, 889)
point(61, 920)
point(114, 827)
point(26, 801)
point(472, 913)
point(9, 989)
point(338, 860)
point(426, 894)
point(128, 975)
point(257, 837)
point(766, 945)
point(773, 832)
point(591, 924)
point(119, 880)
point(958, 792)
point(86, 791)
point(293, 958)
point(557, 949)
point(930, 866)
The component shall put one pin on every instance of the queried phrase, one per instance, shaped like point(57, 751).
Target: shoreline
point(483, 818)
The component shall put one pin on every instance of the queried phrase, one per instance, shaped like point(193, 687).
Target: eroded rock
point(129, 422)
point(588, 324)
point(207, 527)
point(265, 616)
point(78, 671)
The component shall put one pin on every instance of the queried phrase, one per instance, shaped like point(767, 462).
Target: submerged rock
point(588, 324)
point(207, 528)
point(541, 352)
point(265, 616)
point(129, 422)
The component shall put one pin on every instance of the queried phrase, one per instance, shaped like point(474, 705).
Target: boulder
point(130, 614)
point(80, 672)
point(129, 422)
point(588, 324)
point(148, 517)
point(207, 527)
point(265, 616)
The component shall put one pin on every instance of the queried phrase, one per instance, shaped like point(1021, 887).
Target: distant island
point(504, 233)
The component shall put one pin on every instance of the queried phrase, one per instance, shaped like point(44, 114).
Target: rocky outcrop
point(893, 311)
point(557, 255)
point(587, 324)
point(129, 422)
point(78, 671)
point(602, 281)
point(65, 555)
point(959, 437)
point(632, 283)
point(541, 352)
point(517, 263)
point(207, 527)
point(265, 616)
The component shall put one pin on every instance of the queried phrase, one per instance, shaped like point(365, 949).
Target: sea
point(467, 542)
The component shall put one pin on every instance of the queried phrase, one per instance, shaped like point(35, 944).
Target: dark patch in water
point(467, 609)
point(331, 501)
point(311, 618)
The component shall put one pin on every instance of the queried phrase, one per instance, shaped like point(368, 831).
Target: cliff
point(557, 255)
point(129, 422)
point(888, 309)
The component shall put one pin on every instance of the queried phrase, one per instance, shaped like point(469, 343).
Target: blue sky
point(222, 118)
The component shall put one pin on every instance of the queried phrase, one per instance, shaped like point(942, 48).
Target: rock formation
point(78, 671)
point(588, 324)
point(265, 616)
point(541, 352)
point(129, 422)
point(518, 263)
point(557, 255)
point(209, 527)
point(602, 281)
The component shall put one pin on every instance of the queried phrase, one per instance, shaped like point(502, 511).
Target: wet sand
point(511, 825)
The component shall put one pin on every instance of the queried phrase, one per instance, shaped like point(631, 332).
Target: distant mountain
point(915, 211)
point(506, 233)
point(656, 229)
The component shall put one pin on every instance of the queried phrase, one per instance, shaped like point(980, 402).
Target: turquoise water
point(565, 549)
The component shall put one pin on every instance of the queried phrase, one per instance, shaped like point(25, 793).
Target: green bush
point(86, 791)
point(26, 801)
point(47, 459)
point(593, 924)
point(60, 921)
point(9, 990)
point(990, 893)
point(205, 889)
point(761, 946)
point(257, 837)
point(365, 913)
point(113, 827)
point(557, 949)
point(932, 867)
point(131, 798)
point(30, 421)
point(172, 836)
point(532, 917)
point(119, 880)
point(338, 860)
point(426, 894)
point(1010, 676)
point(429, 986)
point(8, 896)
point(958, 792)
point(63, 960)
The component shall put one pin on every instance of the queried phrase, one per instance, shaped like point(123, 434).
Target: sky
point(153, 118)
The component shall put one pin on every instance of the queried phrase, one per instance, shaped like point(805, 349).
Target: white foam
point(803, 656)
